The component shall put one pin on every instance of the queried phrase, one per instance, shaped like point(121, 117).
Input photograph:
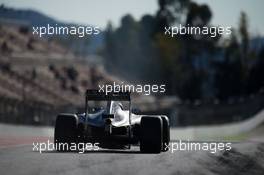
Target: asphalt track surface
point(17, 157)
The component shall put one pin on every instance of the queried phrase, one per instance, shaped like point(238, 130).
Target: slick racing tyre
point(166, 133)
point(65, 131)
point(151, 134)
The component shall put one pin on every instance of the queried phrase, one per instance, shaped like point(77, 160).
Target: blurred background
point(217, 83)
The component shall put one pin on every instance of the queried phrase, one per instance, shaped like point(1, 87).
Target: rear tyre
point(166, 133)
point(65, 131)
point(151, 134)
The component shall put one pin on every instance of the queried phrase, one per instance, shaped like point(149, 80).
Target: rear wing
point(96, 95)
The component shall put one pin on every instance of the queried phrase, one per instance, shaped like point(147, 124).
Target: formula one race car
point(109, 122)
